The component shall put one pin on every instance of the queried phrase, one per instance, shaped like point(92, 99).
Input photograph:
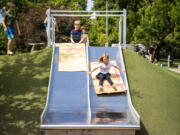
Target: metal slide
point(72, 103)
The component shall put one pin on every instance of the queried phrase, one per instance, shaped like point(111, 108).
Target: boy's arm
point(17, 25)
point(4, 24)
point(72, 41)
point(119, 68)
point(82, 38)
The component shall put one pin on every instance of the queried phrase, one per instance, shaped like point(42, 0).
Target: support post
point(48, 27)
point(106, 23)
point(120, 31)
point(124, 28)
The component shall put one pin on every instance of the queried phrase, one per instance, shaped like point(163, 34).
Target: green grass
point(155, 93)
point(24, 78)
point(23, 87)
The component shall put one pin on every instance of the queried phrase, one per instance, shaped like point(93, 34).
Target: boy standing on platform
point(76, 34)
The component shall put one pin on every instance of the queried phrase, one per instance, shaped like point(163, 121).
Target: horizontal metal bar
point(70, 15)
point(130, 127)
point(83, 11)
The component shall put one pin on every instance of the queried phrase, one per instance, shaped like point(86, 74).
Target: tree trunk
point(157, 52)
point(172, 56)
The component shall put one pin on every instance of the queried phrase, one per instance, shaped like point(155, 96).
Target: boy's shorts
point(10, 32)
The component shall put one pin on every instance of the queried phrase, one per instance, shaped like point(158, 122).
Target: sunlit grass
point(155, 93)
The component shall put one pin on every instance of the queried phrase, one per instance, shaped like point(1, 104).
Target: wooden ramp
point(107, 88)
point(72, 57)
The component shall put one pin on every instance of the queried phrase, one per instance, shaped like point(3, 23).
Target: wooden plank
point(107, 88)
point(72, 57)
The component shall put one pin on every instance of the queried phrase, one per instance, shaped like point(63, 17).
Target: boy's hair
point(77, 22)
point(102, 57)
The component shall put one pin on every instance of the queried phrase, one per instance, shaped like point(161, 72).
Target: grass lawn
point(155, 93)
point(23, 87)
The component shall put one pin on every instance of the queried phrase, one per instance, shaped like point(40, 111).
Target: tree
point(159, 25)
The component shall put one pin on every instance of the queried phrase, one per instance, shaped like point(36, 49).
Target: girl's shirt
point(76, 35)
point(105, 68)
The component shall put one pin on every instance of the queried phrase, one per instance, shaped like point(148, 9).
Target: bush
point(3, 41)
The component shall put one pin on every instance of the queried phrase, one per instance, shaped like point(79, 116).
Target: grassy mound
point(24, 79)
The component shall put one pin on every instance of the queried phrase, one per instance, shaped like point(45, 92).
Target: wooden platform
point(72, 57)
point(107, 88)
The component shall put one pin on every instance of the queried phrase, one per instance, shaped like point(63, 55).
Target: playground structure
point(72, 105)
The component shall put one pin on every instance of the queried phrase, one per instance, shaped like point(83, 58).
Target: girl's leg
point(100, 76)
point(108, 78)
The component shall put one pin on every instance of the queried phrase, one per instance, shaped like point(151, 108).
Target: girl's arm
point(17, 25)
point(119, 68)
point(93, 70)
point(56, 27)
point(4, 24)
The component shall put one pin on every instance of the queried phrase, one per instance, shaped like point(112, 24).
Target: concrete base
point(90, 132)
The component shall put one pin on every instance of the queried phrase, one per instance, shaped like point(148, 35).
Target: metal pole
point(87, 15)
point(53, 34)
point(48, 27)
point(82, 11)
point(124, 28)
point(120, 31)
point(106, 22)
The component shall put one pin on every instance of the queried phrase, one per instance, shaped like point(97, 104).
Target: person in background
point(85, 38)
point(8, 22)
point(52, 22)
point(76, 34)
point(150, 52)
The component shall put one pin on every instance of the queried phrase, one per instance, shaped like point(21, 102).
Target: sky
point(0, 18)
point(89, 5)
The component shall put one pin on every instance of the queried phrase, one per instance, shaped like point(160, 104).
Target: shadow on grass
point(142, 131)
point(23, 88)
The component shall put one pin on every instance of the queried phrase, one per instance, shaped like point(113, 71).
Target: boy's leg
point(108, 78)
point(11, 32)
point(9, 44)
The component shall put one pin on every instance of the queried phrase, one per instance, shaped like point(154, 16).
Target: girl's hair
point(83, 27)
point(102, 57)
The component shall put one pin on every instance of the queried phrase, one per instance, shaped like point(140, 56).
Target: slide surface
point(73, 104)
